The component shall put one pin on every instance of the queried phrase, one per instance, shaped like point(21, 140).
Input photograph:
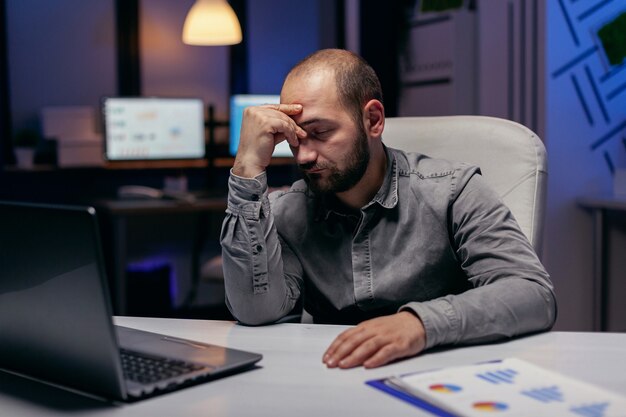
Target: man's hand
point(377, 342)
point(262, 128)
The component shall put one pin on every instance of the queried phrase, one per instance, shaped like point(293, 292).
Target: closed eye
point(321, 134)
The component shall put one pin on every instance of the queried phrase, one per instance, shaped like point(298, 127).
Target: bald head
point(355, 80)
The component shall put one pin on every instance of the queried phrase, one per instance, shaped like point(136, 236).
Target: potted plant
point(24, 145)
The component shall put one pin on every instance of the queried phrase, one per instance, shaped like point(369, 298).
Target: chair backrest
point(511, 157)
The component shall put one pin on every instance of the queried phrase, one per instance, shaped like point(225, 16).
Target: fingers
point(371, 352)
point(288, 109)
point(377, 342)
point(289, 131)
point(344, 345)
point(362, 353)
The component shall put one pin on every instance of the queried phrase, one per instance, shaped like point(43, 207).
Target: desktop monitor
point(153, 129)
point(237, 105)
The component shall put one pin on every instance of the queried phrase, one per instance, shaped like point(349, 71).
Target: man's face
point(335, 153)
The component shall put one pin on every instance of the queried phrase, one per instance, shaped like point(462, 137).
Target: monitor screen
point(237, 105)
point(149, 128)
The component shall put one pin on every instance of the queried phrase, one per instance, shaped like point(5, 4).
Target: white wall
point(575, 169)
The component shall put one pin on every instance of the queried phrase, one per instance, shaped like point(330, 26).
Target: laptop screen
point(55, 320)
point(238, 103)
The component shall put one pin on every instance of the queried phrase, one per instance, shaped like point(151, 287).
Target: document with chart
point(511, 387)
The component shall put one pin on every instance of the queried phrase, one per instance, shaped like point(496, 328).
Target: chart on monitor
point(153, 129)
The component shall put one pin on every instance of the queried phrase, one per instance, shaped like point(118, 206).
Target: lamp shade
point(211, 22)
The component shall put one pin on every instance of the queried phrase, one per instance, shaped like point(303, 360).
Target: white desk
point(291, 380)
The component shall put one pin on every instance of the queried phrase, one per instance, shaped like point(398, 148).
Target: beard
point(355, 161)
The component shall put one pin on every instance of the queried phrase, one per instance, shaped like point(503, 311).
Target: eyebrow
point(313, 121)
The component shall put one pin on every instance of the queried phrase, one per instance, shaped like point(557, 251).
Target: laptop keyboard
point(148, 369)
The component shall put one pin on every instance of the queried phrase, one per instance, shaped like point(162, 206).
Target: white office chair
point(511, 157)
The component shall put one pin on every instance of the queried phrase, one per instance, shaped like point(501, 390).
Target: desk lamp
point(211, 22)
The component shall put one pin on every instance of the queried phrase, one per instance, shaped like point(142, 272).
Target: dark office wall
point(280, 33)
point(60, 52)
point(127, 45)
point(171, 68)
point(381, 31)
point(5, 115)
point(585, 113)
point(64, 53)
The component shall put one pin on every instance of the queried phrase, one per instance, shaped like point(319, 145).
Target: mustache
point(311, 165)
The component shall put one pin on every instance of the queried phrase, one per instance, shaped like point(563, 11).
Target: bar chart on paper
point(511, 387)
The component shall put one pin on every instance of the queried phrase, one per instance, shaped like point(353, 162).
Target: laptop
point(56, 319)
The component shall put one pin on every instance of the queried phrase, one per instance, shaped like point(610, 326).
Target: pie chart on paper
point(445, 388)
point(490, 406)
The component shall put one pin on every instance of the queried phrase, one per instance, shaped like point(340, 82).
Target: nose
point(305, 153)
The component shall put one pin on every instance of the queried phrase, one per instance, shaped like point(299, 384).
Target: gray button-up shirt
point(434, 240)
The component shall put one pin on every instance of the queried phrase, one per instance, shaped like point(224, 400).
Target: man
point(418, 252)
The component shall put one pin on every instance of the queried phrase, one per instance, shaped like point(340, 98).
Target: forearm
point(257, 291)
point(511, 291)
point(502, 309)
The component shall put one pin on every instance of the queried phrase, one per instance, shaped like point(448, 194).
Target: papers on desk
point(511, 387)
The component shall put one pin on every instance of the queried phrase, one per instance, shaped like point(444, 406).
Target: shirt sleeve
point(257, 290)
point(510, 293)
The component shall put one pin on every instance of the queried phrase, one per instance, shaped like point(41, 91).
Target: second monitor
point(238, 103)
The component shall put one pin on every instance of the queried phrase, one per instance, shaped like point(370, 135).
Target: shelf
point(227, 162)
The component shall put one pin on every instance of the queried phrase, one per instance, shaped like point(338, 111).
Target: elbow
point(253, 314)
point(248, 318)
point(251, 321)
point(552, 309)
point(545, 308)
point(537, 310)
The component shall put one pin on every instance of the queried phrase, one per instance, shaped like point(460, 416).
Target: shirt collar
point(387, 195)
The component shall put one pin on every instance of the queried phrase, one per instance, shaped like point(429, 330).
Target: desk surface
point(291, 379)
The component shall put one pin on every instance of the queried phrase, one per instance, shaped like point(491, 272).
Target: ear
point(374, 118)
